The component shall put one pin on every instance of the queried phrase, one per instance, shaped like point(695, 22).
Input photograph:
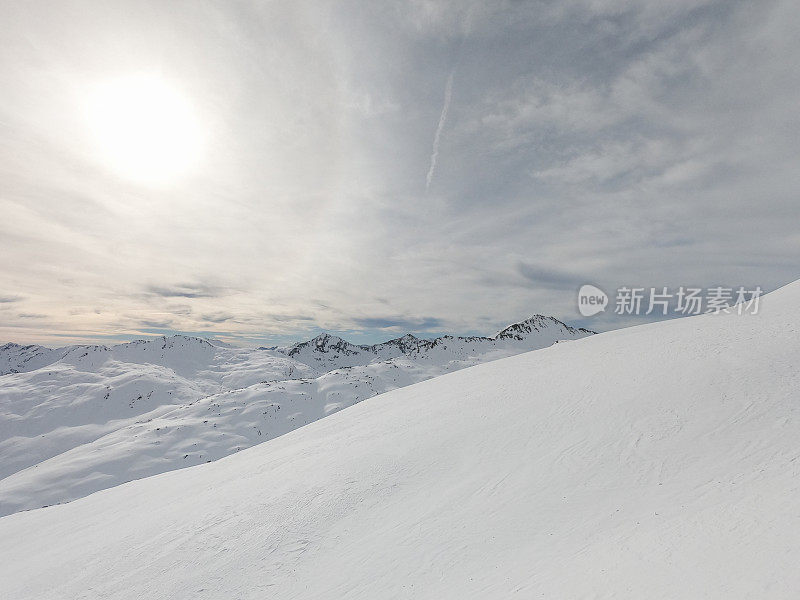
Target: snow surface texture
point(96, 417)
point(655, 462)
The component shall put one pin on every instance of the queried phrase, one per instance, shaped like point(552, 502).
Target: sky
point(262, 171)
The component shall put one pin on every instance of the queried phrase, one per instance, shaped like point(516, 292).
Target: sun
point(144, 128)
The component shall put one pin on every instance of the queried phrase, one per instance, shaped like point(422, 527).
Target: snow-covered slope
point(655, 462)
point(100, 416)
point(208, 360)
point(19, 359)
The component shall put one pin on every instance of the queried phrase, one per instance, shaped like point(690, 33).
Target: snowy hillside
point(654, 462)
point(100, 416)
point(15, 358)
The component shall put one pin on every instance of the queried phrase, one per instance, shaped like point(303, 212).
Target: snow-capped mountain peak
point(324, 344)
point(406, 344)
point(15, 358)
point(538, 323)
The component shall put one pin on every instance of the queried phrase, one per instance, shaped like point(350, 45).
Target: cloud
point(156, 324)
point(284, 318)
point(546, 277)
point(9, 299)
point(411, 324)
point(217, 317)
point(186, 291)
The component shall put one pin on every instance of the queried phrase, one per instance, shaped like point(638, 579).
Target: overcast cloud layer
point(371, 168)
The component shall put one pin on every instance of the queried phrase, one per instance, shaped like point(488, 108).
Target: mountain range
point(79, 419)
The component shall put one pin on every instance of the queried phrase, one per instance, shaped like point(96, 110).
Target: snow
point(98, 416)
point(15, 358)
point(655, 462)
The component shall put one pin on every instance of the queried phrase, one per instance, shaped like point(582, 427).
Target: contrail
point(448, 93)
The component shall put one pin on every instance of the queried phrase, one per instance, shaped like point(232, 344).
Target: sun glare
point(145, 129)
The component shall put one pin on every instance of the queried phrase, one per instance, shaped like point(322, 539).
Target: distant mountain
point(20, 359)
point(327, 352)
point(405, 344)
point(83, 418)
point(330, 352)
point(538, 324)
